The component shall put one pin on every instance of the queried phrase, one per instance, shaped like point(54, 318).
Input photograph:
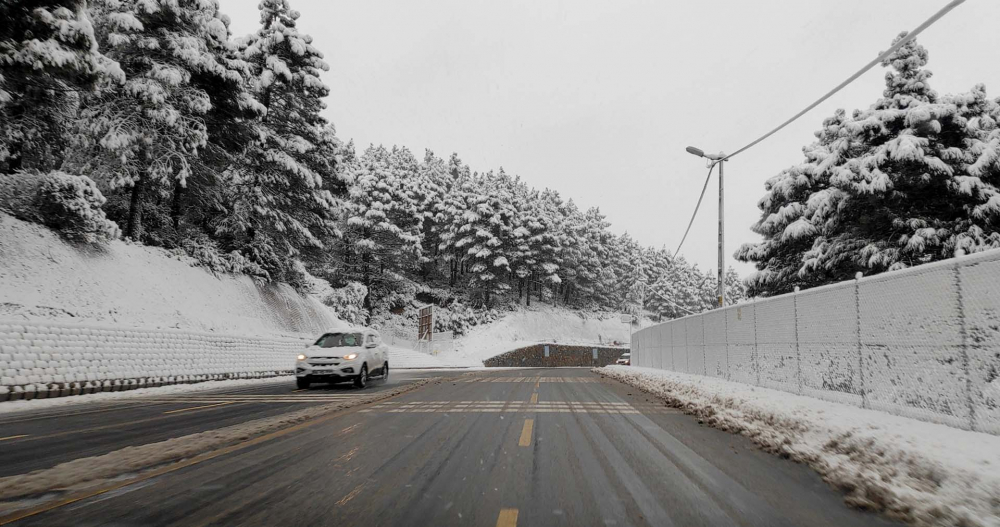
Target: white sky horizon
point(598, 99)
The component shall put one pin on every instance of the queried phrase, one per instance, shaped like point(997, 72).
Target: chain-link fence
point(922, 343)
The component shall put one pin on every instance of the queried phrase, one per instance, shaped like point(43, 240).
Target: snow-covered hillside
point(542, 323)
point(126, 284)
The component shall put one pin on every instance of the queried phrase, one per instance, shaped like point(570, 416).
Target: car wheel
point(385, 371)
point(302, 383)
point(362, 379)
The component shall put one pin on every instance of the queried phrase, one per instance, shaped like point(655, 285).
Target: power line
point(695, 209)
point(910, 36)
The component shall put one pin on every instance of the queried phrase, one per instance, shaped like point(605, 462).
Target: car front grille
point(323, 361)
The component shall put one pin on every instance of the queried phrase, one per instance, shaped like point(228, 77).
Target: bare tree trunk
point(175, 207)
point(134, 226)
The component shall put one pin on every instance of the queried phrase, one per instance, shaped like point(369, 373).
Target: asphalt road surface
point(496, 448)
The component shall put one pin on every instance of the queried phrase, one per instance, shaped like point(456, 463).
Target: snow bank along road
point(511, 447)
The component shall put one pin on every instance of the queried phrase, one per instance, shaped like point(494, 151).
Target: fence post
point(659, 347)
point(687, 350)
point(861, 361)
point(673, 364)
point(755, 358)
point(704, 348)
point(728, 377)
point(798, 352)
point(963, 328)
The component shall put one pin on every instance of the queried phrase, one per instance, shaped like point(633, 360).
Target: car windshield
point(339, 340)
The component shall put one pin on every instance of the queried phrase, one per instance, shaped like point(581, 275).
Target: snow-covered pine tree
point(483, 232)
point(545, 241)
point(454, 205)
point(600, 278)
point(145, 135)
point(798, 202)
point(48, 50)
point(280, 197)
point(911, 180)
point(381, 235)
point(431, 183)
point(572, 239)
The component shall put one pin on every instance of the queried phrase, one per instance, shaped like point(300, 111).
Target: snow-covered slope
point(406, 358)
point(122, 284)
point(542, 323)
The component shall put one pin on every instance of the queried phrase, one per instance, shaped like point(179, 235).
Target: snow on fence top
point(923, 342)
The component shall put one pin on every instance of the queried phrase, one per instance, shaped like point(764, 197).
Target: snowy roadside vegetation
point(35, 405)
point(912, 179)
point(923, 473)
point(152, 122)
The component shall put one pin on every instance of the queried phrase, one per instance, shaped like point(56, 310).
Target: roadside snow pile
point(923, 473)
point(407, 358)
point(532, 325)
point(44, 276)
point(35, 405)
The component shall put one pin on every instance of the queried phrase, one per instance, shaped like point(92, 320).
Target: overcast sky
point(598, 99)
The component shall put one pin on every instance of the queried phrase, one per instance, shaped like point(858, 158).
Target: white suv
point(343, 355)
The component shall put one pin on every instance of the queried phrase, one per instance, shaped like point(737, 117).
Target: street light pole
point(721, 160)
point(722, 238)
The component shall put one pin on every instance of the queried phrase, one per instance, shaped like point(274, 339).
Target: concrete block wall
point(559, 355)
point(922, 343)
point(41, 358)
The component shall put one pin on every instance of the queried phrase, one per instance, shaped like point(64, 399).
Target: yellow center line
point(351, 495)
point(300, 390)
point(198, 407)
point(525, 438)
point(534, 398)
point(507, 518)
point(13, 437)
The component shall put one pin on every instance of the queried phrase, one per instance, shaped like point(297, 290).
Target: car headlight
point(350, 356)
point(301, 356)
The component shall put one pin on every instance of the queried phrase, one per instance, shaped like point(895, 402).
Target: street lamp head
point(696, 151)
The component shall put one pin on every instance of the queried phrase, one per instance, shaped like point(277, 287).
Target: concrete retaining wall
point(537, 356)
point(922, 343)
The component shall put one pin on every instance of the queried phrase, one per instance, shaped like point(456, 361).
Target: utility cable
point(710, 169)
point(885, 54)
point(669, 301)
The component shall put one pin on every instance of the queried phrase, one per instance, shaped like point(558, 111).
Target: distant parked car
point(625, 359)
point(354, 355)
